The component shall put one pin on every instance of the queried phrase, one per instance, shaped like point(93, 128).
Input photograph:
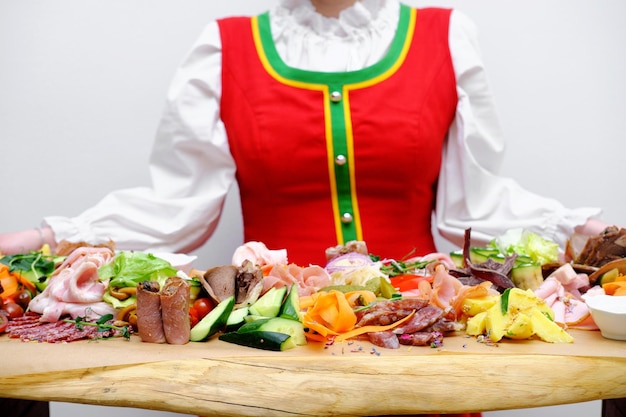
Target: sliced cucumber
point(269, 304)
point(608, 276)
point(524, 260)
point(527, 276)
point(498, 257)
point(479, 254)
point(260, 340)
point(291, 306)
point(253, 317)
point(274, 333)
point(236, 319)
point(457, 258)
point(214, 321)
point(293, 328)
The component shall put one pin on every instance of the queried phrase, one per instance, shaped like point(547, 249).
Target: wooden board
point(352, 378)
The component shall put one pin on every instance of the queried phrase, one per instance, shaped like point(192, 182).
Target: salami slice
point(149, 322)
point(175, 297)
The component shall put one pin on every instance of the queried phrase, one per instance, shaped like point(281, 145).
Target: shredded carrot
point(368, 329)
point(12, 282)
point(360, 298)
point(266, 269)
point(9, 286)
point(425, 288)
point(316, 337)
point(333, 311)
point(615, 288)
point(330, 314)
point(4, 271)
point(307, 301)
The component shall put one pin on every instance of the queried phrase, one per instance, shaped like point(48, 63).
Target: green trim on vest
point(341, 142)
point(349, 77)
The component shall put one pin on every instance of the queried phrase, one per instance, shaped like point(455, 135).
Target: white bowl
point(609, 314)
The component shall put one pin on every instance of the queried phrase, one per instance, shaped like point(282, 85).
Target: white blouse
point(192, 169)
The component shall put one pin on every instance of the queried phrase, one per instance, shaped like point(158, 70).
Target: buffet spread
point(480, 329)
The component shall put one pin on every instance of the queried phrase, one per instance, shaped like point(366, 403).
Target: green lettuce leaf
point(130, 268)
point(34, 266)
point(526, 243)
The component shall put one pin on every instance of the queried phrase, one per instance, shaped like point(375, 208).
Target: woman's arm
point(470, 191)
point(191, 171)
point(25, 241)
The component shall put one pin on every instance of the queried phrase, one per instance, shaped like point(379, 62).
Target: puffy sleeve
point(191, 169)
point(470, 191)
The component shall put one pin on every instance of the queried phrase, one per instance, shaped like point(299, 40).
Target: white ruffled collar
point(363, 16)
point(359, 37)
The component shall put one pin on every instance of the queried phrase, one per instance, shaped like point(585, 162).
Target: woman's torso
point(288, 134)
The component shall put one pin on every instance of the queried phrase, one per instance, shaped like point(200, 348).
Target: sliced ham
point(258, 254)
point(309, 279)
point(561, 290)
point(75, 287)
point(440, 257)
point(445, 288)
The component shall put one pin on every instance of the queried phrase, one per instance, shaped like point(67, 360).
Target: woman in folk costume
point(339, 120)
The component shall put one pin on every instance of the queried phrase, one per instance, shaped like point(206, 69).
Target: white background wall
point(82, 84)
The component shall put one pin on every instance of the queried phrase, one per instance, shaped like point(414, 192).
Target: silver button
point(346, 218)
point(340, 160)
point(335, 96)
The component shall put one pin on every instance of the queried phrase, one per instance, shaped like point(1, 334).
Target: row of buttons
point(340, 160)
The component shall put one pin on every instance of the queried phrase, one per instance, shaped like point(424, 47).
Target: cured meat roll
point(149, 322)
point(175, 297)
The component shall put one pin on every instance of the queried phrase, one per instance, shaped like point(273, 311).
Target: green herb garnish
point(102, 324)
point(504, 301)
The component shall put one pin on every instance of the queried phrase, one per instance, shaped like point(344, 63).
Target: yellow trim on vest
point(356, 213)
point(325, 90)
point(348, 119)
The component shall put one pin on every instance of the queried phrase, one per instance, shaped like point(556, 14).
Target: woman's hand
point(26, 240)
point(593, 227)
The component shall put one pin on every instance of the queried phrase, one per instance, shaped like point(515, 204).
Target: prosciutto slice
point(175, 310)
point(309, 279)
point(149, 321)
point(75, 287)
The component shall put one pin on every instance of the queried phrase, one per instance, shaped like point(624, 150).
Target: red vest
point(324, 158)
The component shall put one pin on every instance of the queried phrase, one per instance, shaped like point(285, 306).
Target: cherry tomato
point(14, 310)
point(4, 323)
point(193, 316)
point(203, 306)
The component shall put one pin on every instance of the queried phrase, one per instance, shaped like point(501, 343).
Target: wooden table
point(216, 378)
